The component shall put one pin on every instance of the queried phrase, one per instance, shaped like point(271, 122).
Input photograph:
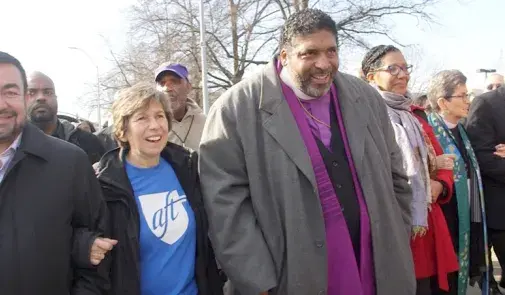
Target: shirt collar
point(14, 146)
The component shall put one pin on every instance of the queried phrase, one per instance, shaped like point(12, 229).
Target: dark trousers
point(429, 286)
point(497, 241)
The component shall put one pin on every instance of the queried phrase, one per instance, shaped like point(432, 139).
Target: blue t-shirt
point(167, 231)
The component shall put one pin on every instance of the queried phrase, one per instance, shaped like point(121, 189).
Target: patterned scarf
point(469, 195)
point(418, 162)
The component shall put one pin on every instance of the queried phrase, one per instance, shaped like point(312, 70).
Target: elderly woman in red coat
point(430, 175)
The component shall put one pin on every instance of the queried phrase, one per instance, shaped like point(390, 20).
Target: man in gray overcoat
point(302, 179)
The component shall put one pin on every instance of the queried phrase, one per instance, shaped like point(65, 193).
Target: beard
point(176, 103)
point(9, 131)
point(41, 113)
point(304, 81)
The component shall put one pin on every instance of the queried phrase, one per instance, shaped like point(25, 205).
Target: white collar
point(449, 124)
point(286, 78)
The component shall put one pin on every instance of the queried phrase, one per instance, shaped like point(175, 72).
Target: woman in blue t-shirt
point(155, 205)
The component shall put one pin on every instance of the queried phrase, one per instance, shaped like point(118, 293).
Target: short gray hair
point(443, 85)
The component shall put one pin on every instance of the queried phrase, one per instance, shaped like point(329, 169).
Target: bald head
point(40, 76)
point(494, 81)
point(42, 106)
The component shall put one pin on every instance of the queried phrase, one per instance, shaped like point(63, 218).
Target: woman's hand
point(100, 248)
point(500, 150)
point(445, 161)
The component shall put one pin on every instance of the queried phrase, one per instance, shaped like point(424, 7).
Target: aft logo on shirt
point(165, 215)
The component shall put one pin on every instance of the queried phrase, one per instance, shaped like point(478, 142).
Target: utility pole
point(99, 99)
point(203, 49)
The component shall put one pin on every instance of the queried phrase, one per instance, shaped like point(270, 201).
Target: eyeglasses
point(465, 96)
point(395, 70)
point(9, 94)
point(494, 86)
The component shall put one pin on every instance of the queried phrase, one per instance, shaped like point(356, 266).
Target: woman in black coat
point(155, 206)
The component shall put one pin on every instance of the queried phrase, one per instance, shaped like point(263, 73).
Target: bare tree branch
point(239, 34)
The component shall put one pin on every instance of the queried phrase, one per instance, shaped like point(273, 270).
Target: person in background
point(386, 69)
point(422, 102)
point(156, 210)
point(494, 81)
point(486, 129)
point(87, 126)
point(105, 135)
point(465, 212)
point(188, 119)
point(43, 110)
point(106, 138)
point(52, 211)
point(297, 194)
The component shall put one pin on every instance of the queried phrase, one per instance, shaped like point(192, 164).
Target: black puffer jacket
point(88, 142)
point(124, 224)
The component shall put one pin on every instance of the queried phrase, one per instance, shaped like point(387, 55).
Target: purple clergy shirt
point(345, 275)
point(319, 108)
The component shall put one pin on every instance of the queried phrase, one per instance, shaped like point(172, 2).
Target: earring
point(445, 112)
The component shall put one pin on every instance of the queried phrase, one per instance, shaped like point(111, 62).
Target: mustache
point(8, 113)
point(38, 105)
point(171, 93)
point(306, 77)
point(328, 71)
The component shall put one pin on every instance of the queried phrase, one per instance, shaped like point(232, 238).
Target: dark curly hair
point(373, 58)
point(306, 22)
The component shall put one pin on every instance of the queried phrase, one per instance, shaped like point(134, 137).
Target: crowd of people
point(301, 180)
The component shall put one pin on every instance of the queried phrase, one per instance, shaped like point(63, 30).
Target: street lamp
point(203, 49)
point(486, 71)
point(99, 103)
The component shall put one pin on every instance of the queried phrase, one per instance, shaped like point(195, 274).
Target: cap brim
point(171, 71)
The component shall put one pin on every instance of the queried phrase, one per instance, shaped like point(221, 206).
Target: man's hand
point(500, 150)
point(100, 247)
point(445, 161)
point(436, 190)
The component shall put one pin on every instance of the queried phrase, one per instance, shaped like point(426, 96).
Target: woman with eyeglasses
point(465, 214)
point(429, 171)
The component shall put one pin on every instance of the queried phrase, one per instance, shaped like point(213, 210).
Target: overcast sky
point(39, 33)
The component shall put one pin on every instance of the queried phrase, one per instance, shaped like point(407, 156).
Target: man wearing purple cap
point(188, 119)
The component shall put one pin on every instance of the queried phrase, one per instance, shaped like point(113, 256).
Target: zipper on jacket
point(118, 190)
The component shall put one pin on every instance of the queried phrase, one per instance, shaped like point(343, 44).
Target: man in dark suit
point(486, 129)
point(51, 207)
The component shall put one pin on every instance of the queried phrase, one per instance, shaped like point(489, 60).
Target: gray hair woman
point(156, 211)
point(465, 214)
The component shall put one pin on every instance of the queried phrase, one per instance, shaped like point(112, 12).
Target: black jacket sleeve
point(89, 222)
point(480, 127)
point(82, 241)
